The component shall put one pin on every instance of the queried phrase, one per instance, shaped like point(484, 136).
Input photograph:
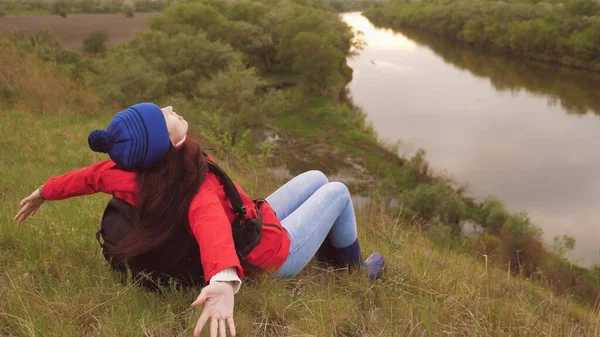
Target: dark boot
point(351, 257)
point(327, 255)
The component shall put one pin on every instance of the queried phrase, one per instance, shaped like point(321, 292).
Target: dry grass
point(27, 83)
point(74, 28)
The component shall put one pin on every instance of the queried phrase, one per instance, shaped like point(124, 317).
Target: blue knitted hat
point(135, 138)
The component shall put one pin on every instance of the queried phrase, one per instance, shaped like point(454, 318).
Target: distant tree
point(232, 97)
point(10, 5)
point(317, 60)
point(46, 43)
point(251, 12)
point(129, 78)
point(128, 8)
point(250, 40)
point(198, 15)
point(87, 6)
point(95, 43)
point(583, 7)
point(184, 58)
point(181, 60)
point(61, 8)
point(562, 245)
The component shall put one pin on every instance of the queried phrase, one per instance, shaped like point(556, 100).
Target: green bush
point(436, 200)
point(61, 8)
point(95, 43)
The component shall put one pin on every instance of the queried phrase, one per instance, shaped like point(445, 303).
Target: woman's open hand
point(29, 206)
point(218, 302)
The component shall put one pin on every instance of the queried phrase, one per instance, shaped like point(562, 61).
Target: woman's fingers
point(24, 201)
point(21, 208)
point(203, 318)
point(222, 329)
point(28, 207)
point(214, 326)
point(231, 326)
point(27, 212)
point(22, 215)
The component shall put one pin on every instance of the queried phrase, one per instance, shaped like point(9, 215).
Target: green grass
point(331, 132)
point(53, 281)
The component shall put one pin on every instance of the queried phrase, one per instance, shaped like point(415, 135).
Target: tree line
point(561, 31)
point(66, 7)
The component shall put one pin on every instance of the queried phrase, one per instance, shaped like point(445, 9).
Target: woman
point(157, 168)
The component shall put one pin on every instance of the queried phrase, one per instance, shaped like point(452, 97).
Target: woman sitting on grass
point(179, 196)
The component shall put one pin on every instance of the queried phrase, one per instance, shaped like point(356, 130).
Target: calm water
point(525, 132)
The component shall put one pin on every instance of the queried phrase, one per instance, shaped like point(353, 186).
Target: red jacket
point(210, 215)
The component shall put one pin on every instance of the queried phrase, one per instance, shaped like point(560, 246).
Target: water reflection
point(576, 91)
point(523, 131)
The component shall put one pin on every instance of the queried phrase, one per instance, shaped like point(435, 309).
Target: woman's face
point(176, 125)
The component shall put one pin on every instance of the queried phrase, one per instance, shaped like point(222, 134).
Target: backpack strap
point(240, 211)
point(231, 192)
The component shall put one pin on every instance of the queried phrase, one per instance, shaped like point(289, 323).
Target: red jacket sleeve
point(212, 231)
point(99, 177)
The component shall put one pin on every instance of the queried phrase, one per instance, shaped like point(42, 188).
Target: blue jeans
point(311, 209)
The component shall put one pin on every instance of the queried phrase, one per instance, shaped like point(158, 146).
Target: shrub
point(95, 43)
point(128, 9)
point(28, 83)
point(61, 8)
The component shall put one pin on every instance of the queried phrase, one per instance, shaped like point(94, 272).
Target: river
point(523, 131)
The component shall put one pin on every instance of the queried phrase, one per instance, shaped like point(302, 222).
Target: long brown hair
point(165, 194)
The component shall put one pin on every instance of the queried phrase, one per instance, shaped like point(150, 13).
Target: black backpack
point(178, 259)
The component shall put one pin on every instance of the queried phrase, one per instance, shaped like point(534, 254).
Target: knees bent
point(316, 176)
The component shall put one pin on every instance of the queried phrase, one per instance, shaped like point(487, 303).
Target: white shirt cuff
point(228, 275)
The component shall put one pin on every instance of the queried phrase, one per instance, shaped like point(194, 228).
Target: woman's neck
point(181, 142)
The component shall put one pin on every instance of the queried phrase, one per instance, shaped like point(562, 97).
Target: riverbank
point(319, 135)
point(565, 32)
point(468, 129)
point(517, 129)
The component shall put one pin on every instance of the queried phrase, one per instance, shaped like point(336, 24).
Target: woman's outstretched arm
point(99, 177)
point(212, 229)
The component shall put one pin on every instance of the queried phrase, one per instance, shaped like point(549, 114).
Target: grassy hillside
point(53, 281)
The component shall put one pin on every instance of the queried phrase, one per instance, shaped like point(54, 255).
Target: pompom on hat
point(135, 138)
